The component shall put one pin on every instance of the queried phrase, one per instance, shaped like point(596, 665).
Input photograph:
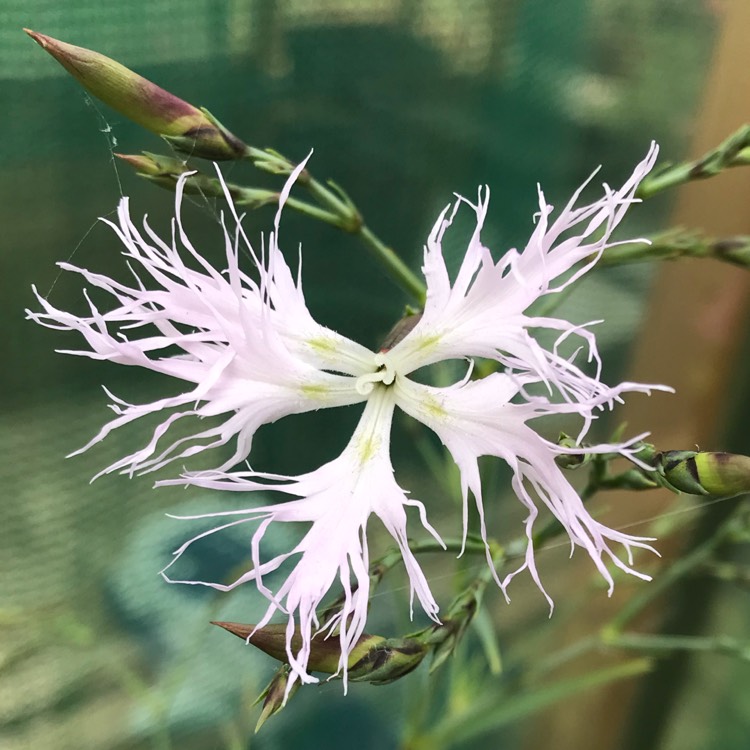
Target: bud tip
point(235, 628)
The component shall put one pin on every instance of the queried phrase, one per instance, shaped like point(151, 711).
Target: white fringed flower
point(251, 351)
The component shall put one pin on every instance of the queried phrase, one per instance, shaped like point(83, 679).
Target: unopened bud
point(445, 637)
point(325, 653)
point(704, 473)
point(147, 164)
point(570, 460)
point(161, 170)
point(190, 129)
point(388, 660)
point(165, 172)
point(208, 139)
point(634, 479)
point(275, 696)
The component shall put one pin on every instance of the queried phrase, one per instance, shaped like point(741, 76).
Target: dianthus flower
point(251, 352)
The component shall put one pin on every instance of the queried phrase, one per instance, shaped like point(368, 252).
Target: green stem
point(271, 161)
point(679, 243)
point(563, 656)
point(472, 546)
point(349, 219)
point(390, 260)
point(393, 557)
point(328, 198)
point(667, 643)
point(733, 152)
point(314, 212)
point(491, 710)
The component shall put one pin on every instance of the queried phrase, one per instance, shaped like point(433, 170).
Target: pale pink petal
point(483, 313)
point(477, 419)
point(249, 351)
point(337, 501)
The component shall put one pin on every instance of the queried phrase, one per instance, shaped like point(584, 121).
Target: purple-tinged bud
point(374, 659)
point(208, 139)
point(147, 164)
point(190, 129)
point(163, 171)
point(324, 652)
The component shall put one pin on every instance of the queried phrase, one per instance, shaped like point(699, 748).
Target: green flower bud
point(635, 479)
point(704, 473)
point(387, 660)
point(209, 140)
point(570, 460)
point(147, 164)
point(274, 697)
point(164, 171)
point(190, 129)
point(445, 637)
point(374, 659)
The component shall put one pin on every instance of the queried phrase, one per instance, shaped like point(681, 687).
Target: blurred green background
point(404, 102)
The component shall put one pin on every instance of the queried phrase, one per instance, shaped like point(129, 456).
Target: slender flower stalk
point(252, 353)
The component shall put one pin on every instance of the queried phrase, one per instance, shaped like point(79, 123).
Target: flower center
point(385, 374)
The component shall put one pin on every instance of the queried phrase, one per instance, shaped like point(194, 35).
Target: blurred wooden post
point(695, 321)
